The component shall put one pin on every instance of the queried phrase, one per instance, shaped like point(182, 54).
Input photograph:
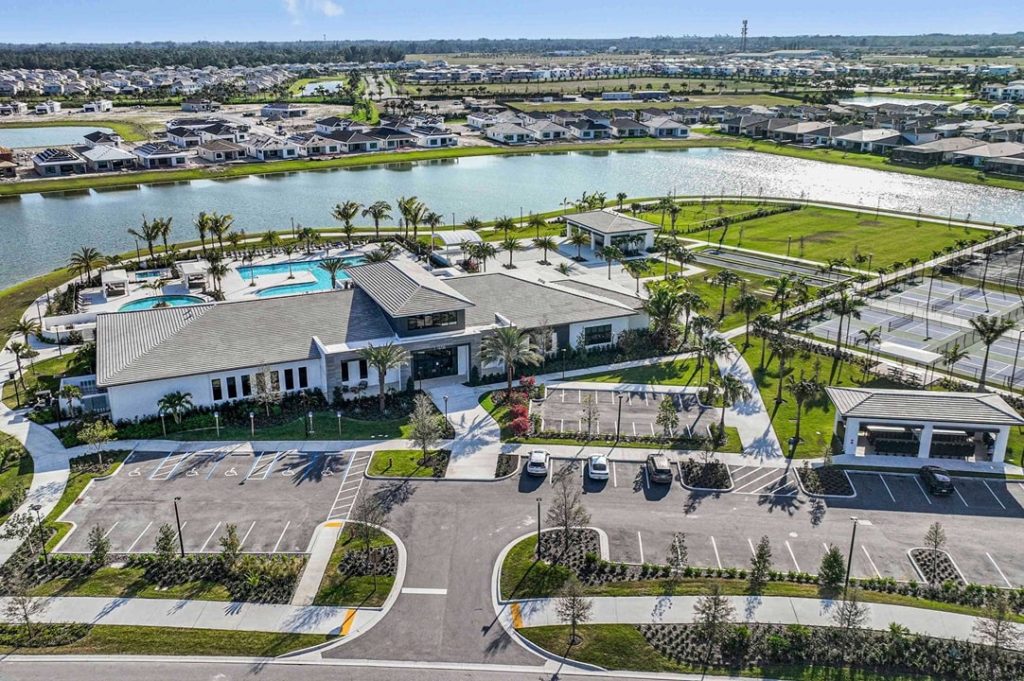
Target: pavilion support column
point(852, 435)
point(1002, 439)
point(926, 441)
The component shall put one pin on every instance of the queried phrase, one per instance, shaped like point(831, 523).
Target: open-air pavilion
point(609, 228)
point(971, 427)
point(115, 283)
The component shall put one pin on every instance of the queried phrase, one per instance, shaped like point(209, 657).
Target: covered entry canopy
point(932, 423)
point(457, 237)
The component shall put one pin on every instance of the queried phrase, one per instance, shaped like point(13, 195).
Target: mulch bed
point(825, 480)
point(713, 475)
point(927, 561)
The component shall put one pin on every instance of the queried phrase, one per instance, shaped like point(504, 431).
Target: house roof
point(56, 156)
point(102, 152)
point(221, 145)
point(944, 145)
point(871, 135)
point(609, 222)
point(507, 129)
point(403, 289)
point(529, 304)
point(924, 405)
point(627, 124)
point(159, 149)
point(663, 122)
point(177, 341)
point(622, 297)
point(100, 137)
point(350, 136)
point(994, 150)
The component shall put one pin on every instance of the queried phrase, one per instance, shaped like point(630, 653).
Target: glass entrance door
point(435, 363)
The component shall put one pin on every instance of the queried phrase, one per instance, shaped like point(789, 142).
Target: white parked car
point(597, 467)
point(537, 463)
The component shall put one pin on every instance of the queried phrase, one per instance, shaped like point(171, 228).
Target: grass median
point(338, 588)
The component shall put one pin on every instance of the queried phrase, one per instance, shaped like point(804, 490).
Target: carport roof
point(924, 405)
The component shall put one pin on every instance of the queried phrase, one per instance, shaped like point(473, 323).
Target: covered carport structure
point(923, 423)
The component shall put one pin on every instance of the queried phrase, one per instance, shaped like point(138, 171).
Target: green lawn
point(695, 214)
point(16, 468)
point(77, 480)
point(400, 463)
point(14, 300)
point(832, 233)
point(338, 589)
point(622, 646)
point(137, 640)
point(130, 583)
point(712, 294)
point(44, 375)
point(678, 372)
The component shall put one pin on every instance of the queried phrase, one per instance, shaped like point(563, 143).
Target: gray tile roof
point(529, 304)
point(622, 297)
point(179, 341)
point(609, 222)
point(924, 405)
point(403, 289)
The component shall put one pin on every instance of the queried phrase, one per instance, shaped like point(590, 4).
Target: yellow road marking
point(350, 618)
point(333, 523)
point(517, 616)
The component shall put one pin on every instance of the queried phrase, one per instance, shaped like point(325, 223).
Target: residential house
point(315, 144)
point(627, 127)
point(355, 142)
point(980, 155)
point(391, 138)
point(586, 129)
point(509, 133)
point(665, 126)
point(48, 107)
point(154, 155)
point(267, 148)
point(797, 131)
point(100, 157)
point(220, 151)
point(283, 110)
point(870, 140)
point(98, 137)
point(98, 106)
point(199, 105)
point(1006, 165)
point(434, 137)
point(13, 108)
point(547, 131)
point(57, 162)
point(184, 137)
point(936, 151)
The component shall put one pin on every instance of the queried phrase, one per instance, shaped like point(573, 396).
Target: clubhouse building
point(215, 350)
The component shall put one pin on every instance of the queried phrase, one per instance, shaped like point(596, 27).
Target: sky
point(33, 21)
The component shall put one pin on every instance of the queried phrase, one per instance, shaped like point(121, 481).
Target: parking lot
point(275, 499)
point(722, 528)
point(562, 411)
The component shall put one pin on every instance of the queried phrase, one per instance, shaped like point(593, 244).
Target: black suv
point(936, 479)
point(659, 469)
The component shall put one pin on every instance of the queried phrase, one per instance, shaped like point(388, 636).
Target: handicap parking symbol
point(192, 472)
point(328, 471)
point(231, 472)
point(135, 473)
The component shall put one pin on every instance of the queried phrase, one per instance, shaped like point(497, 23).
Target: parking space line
point(247, 534)
point(652, 429)
point(996, 566)
point(146, 529)
point(162, 462)
point(750, 543)
point(216, 463)
point(279, 539)
point(634, 427)
point(998, 500)
point(792, 555)
point(882, 478)
point(641, 542)
point(215, 528)
point(764, 475)
point(921, 487)
point(107, 533)
point(715, 547)
point(961, 497)
point(615, 477)
point(873, 566)
point(255, 464)
point(752, 471)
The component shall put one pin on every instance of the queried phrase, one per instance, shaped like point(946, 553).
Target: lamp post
point(618, 419)
point(338, 414)
point(177, 521)
point(446, 410)
point(563, 363)
point(163, 423)
point(216, 422)
point(42, 535)
point(849, 559)
point(539, 499)
point(17, 393)
point(252, 425)
point(310, 417)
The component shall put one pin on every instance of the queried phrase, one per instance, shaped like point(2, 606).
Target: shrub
point(518, 411)
point(520, 426)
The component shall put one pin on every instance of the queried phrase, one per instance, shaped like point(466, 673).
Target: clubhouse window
point(218, 394)
point(598, 335)
point(246, 385)
point(303, 378)
point(431, 321)
point(232, 388)
point(289, 379)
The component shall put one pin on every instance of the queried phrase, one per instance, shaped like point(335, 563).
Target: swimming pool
point(150, 274)
point(150, 303)
point(322, 283)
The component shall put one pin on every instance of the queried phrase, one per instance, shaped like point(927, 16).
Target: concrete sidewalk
point(750, 417)
point(767, 609)
point(289, 619)
point(320, 552)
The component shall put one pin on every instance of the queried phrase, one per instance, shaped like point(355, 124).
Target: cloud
point(298, 9)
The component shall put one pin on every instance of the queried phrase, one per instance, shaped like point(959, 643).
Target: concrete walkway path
point(767, 609)
point(290, 619)
point(320, 552)
point(750, 417)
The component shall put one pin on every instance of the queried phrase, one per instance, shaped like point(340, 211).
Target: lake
point(39, 231)
point(43, 136)
point(875, 100)
point(330, 85)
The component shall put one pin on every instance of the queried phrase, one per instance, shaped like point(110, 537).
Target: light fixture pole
point(618, 419)
point(563, 364)
point(338, 414)
point(446, 410)
point(177, 520)
point(163, 423)
point(539, 499)
point(42, 535)
point(216, 422)
point(252, 425)
point(310, 416)
point(849, 559)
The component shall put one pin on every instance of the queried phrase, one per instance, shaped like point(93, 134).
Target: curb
point(920, 572)
point(800, 485)
point(712, 490)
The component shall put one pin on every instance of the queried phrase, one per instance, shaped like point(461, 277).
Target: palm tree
point(548, 244)
point(748, 305)
point(218, 270)
point(506, 224)
point(725, 279)
point(762, 326)
point(84, 261)
point(782, 348)
point(663, 307)
point(512, 347)
point(333, 266)
point(844, 305)
point(220, 227)
point(19, 350)
point(782, 291)
point(732, 390)
point(537, 223)
point(474, 223)
point(289, 250)
point(163, 227)
point(579, 240)
point(691, 302)
point(148, 232)
point(383, 358)
point(802, 391)
point(26, 327)
point(377, 211)
point(713, 346)
point(344, 213)
point(175, 404)
point(620, 197)
point(271, 239)
point(637, 269)
point(951, 356)
point(484, 251)
point(869, 338)
point(69, 393)
point(610, 254)
point(989, 329)
point(202, 224)
point(308, 236)
point(433, 220)
point(510, 245)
